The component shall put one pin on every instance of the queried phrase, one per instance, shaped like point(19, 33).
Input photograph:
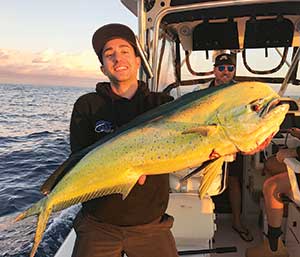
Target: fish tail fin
point(43, 211)
point(41, 225)
point(210, 173)
point(33, 210)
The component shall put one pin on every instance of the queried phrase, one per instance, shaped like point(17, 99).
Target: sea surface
point(34, 140)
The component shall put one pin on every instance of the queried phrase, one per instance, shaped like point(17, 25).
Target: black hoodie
point(94, 116)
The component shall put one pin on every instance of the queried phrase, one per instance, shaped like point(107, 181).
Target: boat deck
point(225, 236)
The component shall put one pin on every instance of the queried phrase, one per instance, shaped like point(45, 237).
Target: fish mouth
point(271, 115)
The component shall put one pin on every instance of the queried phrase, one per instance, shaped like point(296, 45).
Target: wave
point(16, 240)
point(38, 134)
point(34, 141)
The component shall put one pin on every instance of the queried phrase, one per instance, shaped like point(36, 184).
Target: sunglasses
point(229, 68)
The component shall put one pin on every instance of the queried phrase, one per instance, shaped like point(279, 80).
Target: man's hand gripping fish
point(204, 125)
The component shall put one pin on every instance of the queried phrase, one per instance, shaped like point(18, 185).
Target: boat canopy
point(237, 26)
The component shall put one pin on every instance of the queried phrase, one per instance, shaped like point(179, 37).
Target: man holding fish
point(109, 226)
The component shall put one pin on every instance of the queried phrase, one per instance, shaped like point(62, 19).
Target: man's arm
point(81, 129)
point(295, 132)
point(286, 153)
point(290, 152)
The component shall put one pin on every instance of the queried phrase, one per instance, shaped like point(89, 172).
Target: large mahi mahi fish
point(204, 125)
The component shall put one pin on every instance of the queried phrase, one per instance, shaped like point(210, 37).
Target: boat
point(179, 39)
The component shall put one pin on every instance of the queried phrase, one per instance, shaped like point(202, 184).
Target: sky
point(49, 42)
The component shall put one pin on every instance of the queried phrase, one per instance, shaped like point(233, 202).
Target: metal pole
point(141, 22)
point(141, 29)
point(281, 55)
point(289, 73)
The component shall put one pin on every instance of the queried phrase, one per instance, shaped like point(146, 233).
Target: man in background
point(224, 71)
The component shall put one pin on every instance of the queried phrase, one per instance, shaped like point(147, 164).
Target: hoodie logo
point(104, 126)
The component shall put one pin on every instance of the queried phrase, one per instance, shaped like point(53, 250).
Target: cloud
point(40, 60)
point(3, 55)
point(49, 67)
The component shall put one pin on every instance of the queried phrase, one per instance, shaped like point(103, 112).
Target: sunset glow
point(49, 43)
point(43, 67)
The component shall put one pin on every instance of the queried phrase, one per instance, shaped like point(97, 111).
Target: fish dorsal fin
point(210, 172)
point(205, 130)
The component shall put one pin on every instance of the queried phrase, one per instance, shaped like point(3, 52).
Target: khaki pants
point(96, 239)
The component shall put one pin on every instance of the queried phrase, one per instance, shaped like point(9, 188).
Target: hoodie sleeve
point(155, 99)
point(81, 130)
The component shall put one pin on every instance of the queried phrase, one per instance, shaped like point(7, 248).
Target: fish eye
point(256, 105)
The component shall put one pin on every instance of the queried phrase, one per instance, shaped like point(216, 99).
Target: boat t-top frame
point(218, 25)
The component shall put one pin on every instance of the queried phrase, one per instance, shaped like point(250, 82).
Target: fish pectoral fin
point(205, 130)
point(209, 174)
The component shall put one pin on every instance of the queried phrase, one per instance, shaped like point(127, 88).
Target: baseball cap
point(111, 31)
point(224, 59)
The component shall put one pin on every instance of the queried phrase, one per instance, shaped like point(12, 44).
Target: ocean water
point(34, 140)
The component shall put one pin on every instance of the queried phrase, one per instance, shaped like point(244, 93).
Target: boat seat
point(193, 219)
point(293, 167)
